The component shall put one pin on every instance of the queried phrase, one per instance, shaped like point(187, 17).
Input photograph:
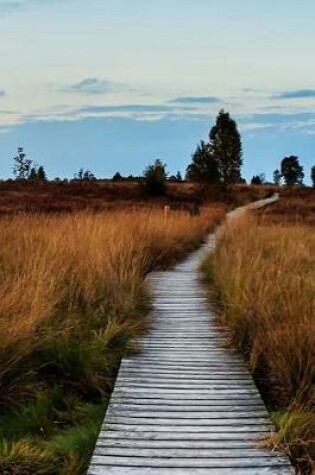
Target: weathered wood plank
point(225, 429)
point(190, 453)
point(189, 462)
point(206, 436)
point(149, 413)
point(110, 470)
point(158, 420)
point(177, 444)
point(186, 408)
point(100, 470)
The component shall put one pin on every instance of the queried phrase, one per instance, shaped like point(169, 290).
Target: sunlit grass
point(265, 276)
point(73, 295)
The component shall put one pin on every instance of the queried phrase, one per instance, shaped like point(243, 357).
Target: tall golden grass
point(265, 275)
point(72, 295)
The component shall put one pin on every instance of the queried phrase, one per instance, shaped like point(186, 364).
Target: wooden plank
point(149, 413)
point(183, 409)
point(253, 436)
point(238, 386)
point(187, 393)
point(219, 444)
point(188, 402)
point(158, 452)
point(164, 376)
point(173, 422)
point(110, 470)
point(189, 462)
point(225, 429)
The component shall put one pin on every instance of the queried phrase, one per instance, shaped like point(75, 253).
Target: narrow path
point(186, 405)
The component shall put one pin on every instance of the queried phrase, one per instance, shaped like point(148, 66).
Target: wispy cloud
point(7, 6)
point(2, 93)
point(296, 94)
point(93, 86)
point(136, 111)
point(196, 100)
point(304, 122)
point(131, 108)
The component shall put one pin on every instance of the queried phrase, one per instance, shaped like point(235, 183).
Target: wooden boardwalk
point(186, 404)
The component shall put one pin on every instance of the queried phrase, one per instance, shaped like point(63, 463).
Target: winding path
point(186, 405)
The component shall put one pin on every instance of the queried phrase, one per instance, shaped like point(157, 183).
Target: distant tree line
point(217, 161)
point(291, 172)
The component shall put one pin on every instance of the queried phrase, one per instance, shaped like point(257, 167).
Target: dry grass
point(72, 295)
point(265, 275)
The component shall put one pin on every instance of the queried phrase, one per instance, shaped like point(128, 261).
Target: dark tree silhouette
point(33, 174)
point(37, 173)
point(41, 174)
point(117, 177)
point(226, 148)
point(22, 165)
point(292, 171)
point(277, 177)
point(203, 167)
point(179, 176)
point(313, 175)
point(258, 179)
point(155, 179)
point(84, 175)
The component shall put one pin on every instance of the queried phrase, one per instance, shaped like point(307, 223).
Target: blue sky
point(112, 85)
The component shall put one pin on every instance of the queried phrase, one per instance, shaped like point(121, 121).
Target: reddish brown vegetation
point(297, 206)
point(103, 195)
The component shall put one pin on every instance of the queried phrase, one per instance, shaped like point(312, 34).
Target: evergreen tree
point(258, 179)
point(84, 175)
point(292, 171)
point(33, 174)
point(22, 165)
point(88, 176)
point(226, 148)
point(313, 175)
point(203, 167)
point(41, 174)
point(78, 176)
point(155, 178)
point(117, 177)
point(277, 177)
point(179, 176)
point(37, 173)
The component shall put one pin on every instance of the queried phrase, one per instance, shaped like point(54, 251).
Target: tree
point(292, 171)
point(277, 177)
point(117, 177)
point(179, 176)
point(22, 165)
point(226, 148)
point(41, 174)
point(203, 167)
point(313, 175)
point(258, 179)
point(84, 175)
point(33, 174)
point(88, 176)
point(37, 173)
point(155, 178)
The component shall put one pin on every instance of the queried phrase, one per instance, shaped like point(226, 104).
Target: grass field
point(264, 273)
point(72, 296)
